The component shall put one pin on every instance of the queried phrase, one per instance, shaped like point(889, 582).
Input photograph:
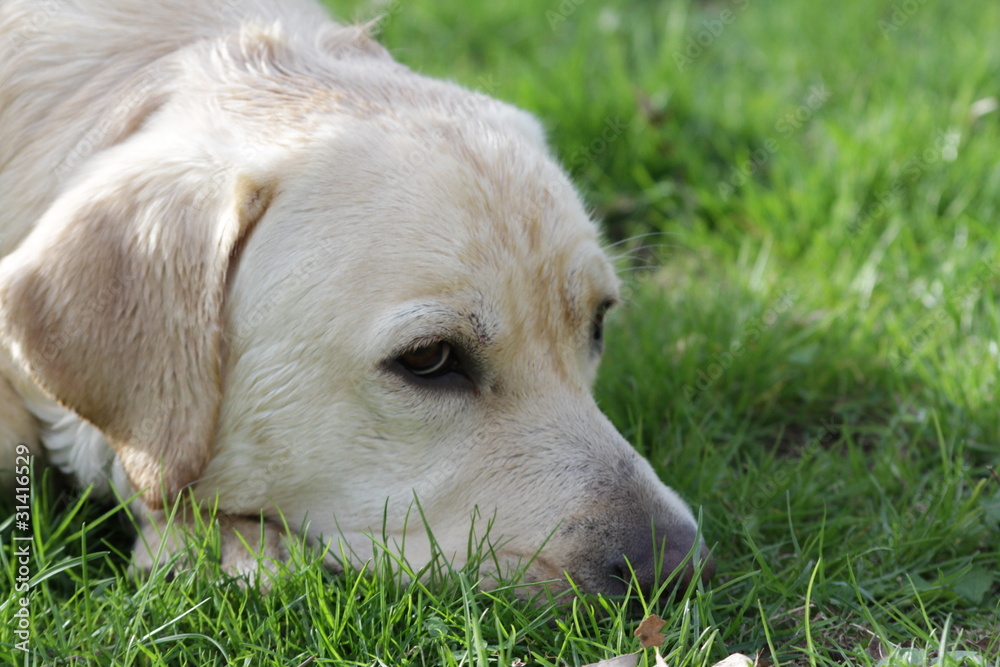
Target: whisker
point(640, 267)
point(637, 237)
point(629, 254)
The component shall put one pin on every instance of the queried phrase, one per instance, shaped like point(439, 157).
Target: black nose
point(652, 558)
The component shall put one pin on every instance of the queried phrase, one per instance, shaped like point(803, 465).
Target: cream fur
point(217, 238)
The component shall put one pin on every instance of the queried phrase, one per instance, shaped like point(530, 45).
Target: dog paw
point(252, 547)
point(249, 548)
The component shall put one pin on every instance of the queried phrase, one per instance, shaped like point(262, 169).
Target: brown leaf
point(648, 631)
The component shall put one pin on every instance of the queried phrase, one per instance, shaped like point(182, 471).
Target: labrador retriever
point(248, 258)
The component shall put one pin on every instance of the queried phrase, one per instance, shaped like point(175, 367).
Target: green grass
point(809, 352)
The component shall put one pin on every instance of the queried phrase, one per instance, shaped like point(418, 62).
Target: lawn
point(804, 202)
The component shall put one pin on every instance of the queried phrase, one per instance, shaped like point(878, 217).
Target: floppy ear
point(114, 303)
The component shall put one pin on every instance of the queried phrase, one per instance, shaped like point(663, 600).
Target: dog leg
point(18, 429)
point(249, 547)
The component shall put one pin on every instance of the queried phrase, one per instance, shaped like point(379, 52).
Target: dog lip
point(532, 570)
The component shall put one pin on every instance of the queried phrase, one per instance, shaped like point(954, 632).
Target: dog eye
point(430, 361)
point(597, 329)
point(598, 332)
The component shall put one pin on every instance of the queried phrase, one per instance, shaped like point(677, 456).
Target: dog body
point(248, 256)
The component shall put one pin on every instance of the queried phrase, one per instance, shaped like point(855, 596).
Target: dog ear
point(114, 303)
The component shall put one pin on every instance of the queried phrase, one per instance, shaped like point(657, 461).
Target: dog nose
point(656, 557)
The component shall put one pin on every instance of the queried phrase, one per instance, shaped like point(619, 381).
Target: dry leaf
point(735, 660)
point(648, 631)
point(627, 660)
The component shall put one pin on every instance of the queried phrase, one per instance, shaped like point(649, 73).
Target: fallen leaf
point(627, 660)
point(648, 631)
point(735, 660)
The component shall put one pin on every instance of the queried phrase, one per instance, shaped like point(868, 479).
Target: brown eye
point(432, 360)
point(597, 331)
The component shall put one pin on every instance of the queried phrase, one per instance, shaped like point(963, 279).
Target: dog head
point(363, 299)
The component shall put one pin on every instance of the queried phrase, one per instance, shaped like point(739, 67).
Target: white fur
point(352, 209)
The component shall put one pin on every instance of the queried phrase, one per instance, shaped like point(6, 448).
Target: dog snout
point(652, 558)
point(655, 559)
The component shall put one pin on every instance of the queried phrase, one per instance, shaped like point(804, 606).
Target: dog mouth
point(539, 579)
